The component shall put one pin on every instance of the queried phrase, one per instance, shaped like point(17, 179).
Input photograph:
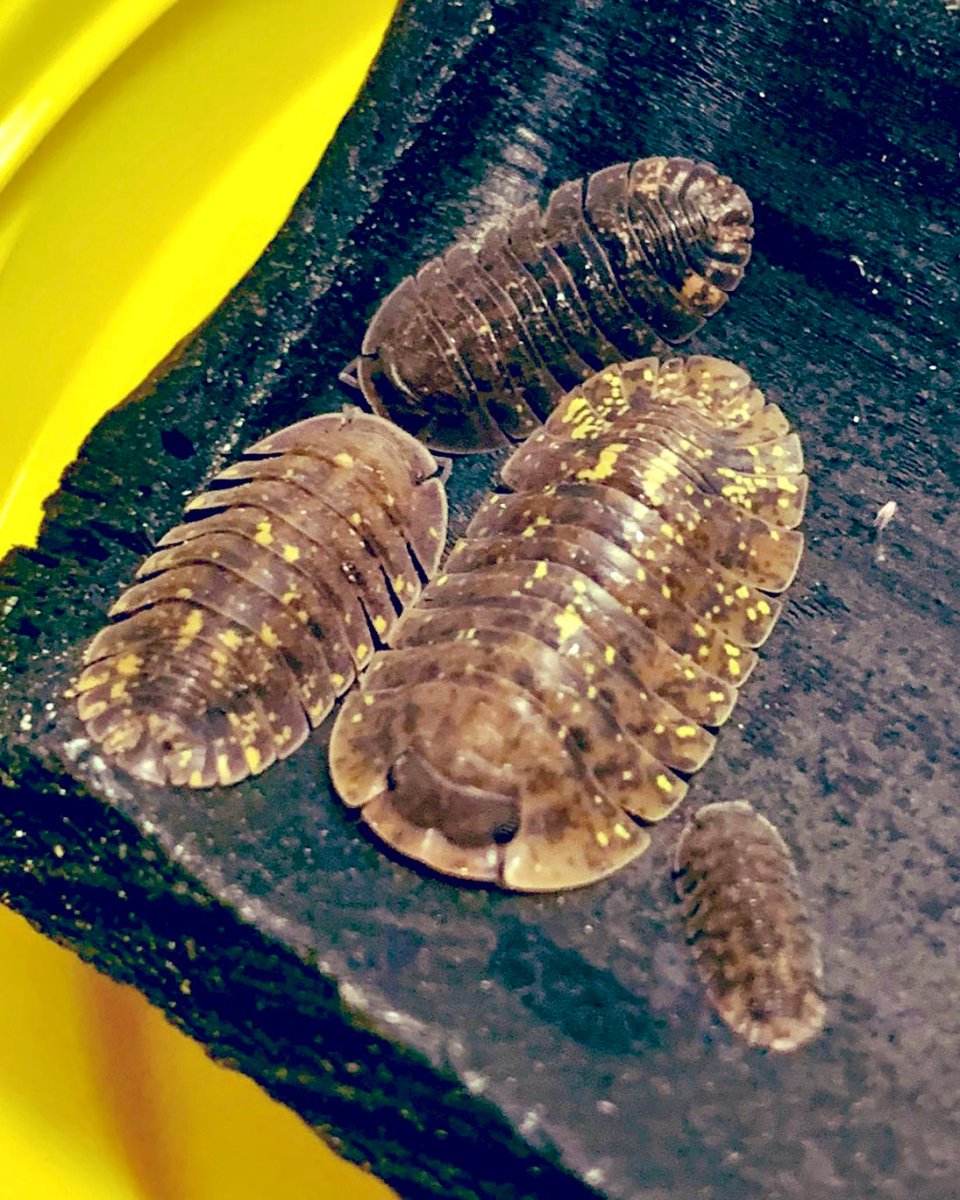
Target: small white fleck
point(885, 514)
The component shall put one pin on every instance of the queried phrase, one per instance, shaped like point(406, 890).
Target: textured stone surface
point(459, 1040)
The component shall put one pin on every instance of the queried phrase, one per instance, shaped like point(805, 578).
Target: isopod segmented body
point(748, 927)
point(257, 612)
point(474, 350)
point(552, 689)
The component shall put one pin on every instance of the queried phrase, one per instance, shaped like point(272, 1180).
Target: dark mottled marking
point(748, 927)
point(551, 690)
point(250, 618)
point(474, 349)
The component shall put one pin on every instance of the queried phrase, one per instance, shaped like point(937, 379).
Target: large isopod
point(551, 692)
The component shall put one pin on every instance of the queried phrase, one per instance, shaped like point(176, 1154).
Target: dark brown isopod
point(474, 349)
point(748, 927)
point(253, 616)
point(550, 692)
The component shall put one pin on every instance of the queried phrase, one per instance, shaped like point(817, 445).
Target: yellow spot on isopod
point(343, 459)
point(362, 651)
point(290, 553)
point(609, 655)
point(605, 464)
point(355, 518)
point(356, 718)
point(230, 638)
point(731, 649)
point(568, 622)
point(380, 624)
point(664, 784)
point(602, 838)
point(399, 584)
point(540, 570)
point(129, 664)
point(192, 625)
point(742, 592)
point(592, 692)
point(252, 755)
point(223, 769)
point(686, 731)
point(268, 637)
point(622, 832)
point(716, 697)
point(264, 534)
point(337, 679)
point(763, 607)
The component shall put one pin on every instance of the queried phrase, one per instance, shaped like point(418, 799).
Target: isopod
point(257, 612)
point(473, 351)
point(551, 692)
point(748, 926)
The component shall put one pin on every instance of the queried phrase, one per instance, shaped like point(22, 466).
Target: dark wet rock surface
point(467, 1042)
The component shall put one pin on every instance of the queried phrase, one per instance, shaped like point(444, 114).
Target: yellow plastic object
point(149, 149)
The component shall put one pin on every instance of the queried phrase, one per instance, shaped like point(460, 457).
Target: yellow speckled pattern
point(255, 614)
point(592, 627)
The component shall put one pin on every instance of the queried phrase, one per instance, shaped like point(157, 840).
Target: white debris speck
point(529, 1123)
point(476, 1083)
point(885, 514)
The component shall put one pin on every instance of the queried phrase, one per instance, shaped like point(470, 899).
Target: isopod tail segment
point(553, 690)
point(747, 925)
point(474, 350)
point(259, 610)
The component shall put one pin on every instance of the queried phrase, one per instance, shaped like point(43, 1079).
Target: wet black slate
point(465, 1042)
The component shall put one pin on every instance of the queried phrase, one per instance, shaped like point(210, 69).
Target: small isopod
point(473, 351)
point(253, 615)
point(748, 926)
